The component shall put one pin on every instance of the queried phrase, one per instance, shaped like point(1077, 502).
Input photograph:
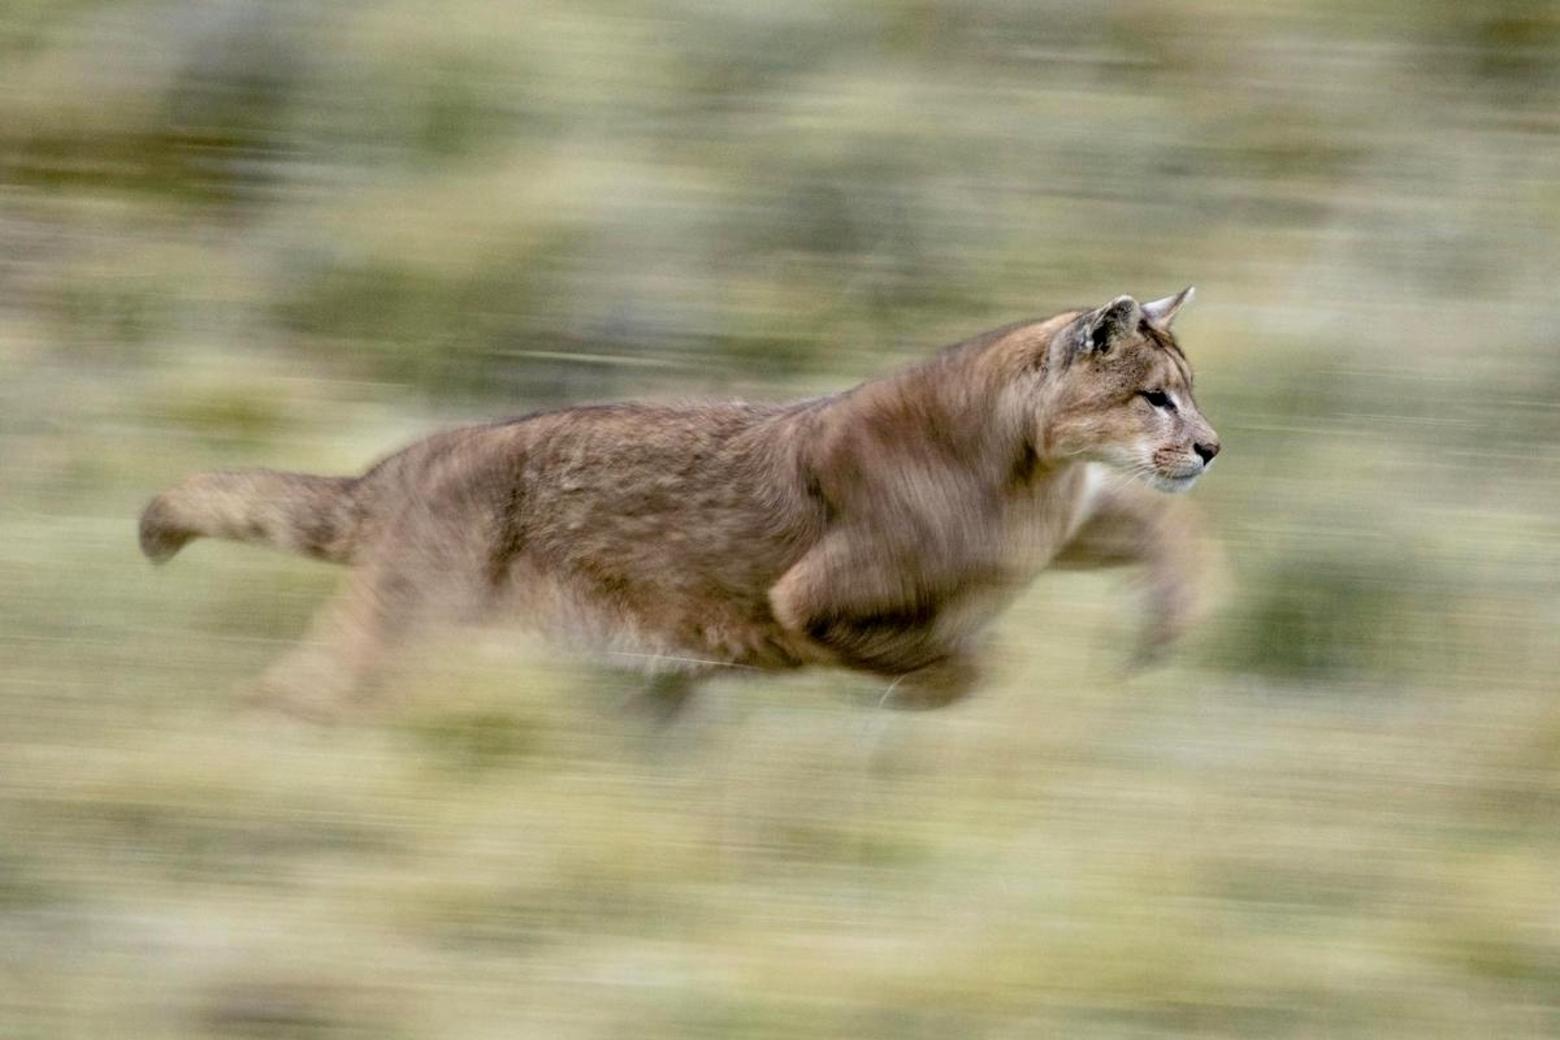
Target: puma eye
point(1157, 398)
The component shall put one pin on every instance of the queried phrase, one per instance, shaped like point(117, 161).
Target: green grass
point(301, 239)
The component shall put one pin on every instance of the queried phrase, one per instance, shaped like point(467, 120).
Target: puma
point(879, 529)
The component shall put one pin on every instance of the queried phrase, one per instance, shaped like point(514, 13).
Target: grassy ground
point(301, 238)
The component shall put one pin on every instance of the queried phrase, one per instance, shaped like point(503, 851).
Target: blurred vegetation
point(298, 234)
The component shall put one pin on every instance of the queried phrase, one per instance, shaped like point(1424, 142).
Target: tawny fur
point(880, 529)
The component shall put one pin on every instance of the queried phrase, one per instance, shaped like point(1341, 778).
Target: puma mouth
point(1173, 482)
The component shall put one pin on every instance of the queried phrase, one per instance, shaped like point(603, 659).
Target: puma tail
point(315, 516)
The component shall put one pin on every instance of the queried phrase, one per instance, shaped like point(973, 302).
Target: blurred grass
point(299, 235)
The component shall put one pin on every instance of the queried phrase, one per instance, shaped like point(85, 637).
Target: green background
point(301, 234)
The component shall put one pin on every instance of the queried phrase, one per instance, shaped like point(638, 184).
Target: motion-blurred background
point(300, 234)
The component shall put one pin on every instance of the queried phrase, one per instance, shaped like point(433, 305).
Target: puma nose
point(1206, 452)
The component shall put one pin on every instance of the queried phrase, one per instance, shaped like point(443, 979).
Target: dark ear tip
point(1116, 312)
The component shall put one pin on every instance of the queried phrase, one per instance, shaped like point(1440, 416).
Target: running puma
point(880, 529)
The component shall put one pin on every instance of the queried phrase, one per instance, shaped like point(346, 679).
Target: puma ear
point(1160, 313)
point(1104, 328)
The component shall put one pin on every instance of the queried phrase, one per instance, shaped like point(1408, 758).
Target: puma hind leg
point(343, 656)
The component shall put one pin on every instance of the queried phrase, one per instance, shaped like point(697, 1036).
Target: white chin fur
point(1174, 485)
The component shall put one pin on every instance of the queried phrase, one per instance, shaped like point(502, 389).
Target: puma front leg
point(1135, 526)
point(852, 604)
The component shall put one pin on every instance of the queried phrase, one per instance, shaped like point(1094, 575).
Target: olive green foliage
point(298, 234)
